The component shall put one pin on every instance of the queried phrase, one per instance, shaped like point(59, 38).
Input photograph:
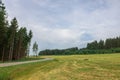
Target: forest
point(110, 45)
point(14, 40)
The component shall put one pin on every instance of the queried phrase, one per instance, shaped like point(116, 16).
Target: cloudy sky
point(66, 23)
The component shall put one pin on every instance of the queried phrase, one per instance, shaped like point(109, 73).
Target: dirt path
point(17, 63)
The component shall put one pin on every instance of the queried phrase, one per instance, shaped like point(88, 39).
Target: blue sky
point(66, 23)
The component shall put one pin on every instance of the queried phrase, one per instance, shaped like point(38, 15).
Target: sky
point(66, 23)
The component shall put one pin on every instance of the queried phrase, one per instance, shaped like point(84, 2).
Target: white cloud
point(67, 23)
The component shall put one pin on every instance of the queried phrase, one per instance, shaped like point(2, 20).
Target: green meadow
point(71, 67)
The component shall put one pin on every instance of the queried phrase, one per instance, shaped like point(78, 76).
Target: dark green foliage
point(101, 44)
point(108, 44)
point(3, 30)
point(14, 42)
point(11, 36)
point(111, 45)
point(68, 51)
point(30, 35)
point(93, 45)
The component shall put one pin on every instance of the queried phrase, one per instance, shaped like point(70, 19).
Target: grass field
point(73, 67)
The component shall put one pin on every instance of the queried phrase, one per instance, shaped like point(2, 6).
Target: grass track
point(74, 67)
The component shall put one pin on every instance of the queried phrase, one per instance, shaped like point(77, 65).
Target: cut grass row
point(74, 67)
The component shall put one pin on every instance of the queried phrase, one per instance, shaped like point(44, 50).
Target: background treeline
point(14, 41)
point(58, 51)
point(110, 45)
point(107, 44)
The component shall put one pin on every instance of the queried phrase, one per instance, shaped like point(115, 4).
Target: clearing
point(72, 67)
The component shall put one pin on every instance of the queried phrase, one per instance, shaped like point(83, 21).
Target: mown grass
point(73, 67)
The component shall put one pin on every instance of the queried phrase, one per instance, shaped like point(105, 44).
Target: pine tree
point(3, 30)
point(30, 35)
point(12, 30)
point(14, 42)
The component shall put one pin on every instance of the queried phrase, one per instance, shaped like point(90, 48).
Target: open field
point(73, 67)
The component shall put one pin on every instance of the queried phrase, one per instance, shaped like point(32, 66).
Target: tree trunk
point(19, 48)
point(10, 54)
point(11, 51)
point(3, 53)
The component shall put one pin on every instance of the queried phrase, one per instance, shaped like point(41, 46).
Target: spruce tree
point(3, 30)
point(12, 32)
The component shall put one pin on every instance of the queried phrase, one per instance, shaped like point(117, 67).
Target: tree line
point(107, 44)
point(58, 51)
point(14, 40)
point(110, 45)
